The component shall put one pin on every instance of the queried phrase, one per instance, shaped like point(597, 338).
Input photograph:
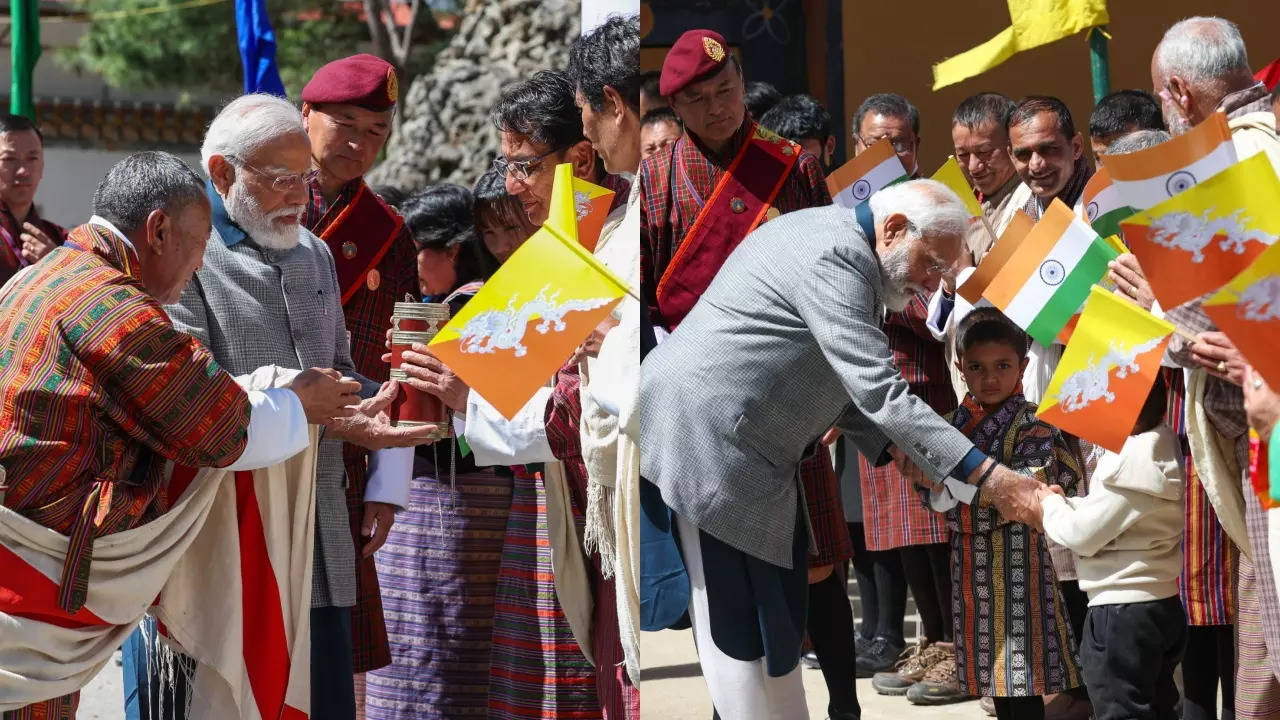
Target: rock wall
point(444, 132)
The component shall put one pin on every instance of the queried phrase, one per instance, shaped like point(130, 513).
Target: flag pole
point(1098, 63)
point(24, 16)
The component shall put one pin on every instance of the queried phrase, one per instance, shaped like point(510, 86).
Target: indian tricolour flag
point(856, 181)
point(1102, 204)
point(1047, 279)
point(1149, 177)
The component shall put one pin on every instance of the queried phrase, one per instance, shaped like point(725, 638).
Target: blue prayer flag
point(257, 48)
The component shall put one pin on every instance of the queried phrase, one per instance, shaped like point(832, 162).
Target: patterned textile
point(826, 511)
point(105, 391)
point(894, 516)
point(1070, 194)
point(1207, 583)
point(438, 572)
point(11, 260)
point(368, 315)
point(536, 669)
point(1257, 691)
point(675, 184)
point(1013, 637)
point(619, 699)
point(63, 708)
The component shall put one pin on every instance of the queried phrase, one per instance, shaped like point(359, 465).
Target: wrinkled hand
point(378, 519)
point(1261, 403)
point(427, 373)
point(1016, 496)
point(909, 469)
point(1214, 347)
point(35, 243)
point(370, 427)
point(325, 395)
point(1127, 274)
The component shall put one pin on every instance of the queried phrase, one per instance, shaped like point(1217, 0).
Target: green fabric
point(1273, 455)
point(24, 34)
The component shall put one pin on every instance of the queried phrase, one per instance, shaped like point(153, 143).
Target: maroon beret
point(364, 80)
point(696, 55)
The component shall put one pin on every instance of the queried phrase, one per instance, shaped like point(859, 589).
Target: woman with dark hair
point(501, 221)
point(439, 566)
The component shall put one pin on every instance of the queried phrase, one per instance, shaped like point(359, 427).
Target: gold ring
point(1222, 366)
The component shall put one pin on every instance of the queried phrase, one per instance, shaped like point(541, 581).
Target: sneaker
point(810, 660)
point(911, 668)
point(939, 686)
point(880, 657)
point(988, 706)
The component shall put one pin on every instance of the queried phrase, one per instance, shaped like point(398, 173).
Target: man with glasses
point(26, 236)
point(896, 526)
point(267, 294)
point(889, 116)
point(347, 109)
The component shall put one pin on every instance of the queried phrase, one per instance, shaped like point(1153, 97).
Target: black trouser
point(830, 624)
point(882, 588)
point(1077, 609)
point(928, 572)
point(1129, 652)
point(333, 695)
point(1020, 708)
point(1210, 658)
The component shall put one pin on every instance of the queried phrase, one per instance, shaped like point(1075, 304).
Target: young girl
point(1013, 638)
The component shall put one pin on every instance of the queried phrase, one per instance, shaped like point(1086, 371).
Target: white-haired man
point(268, 294)
point(1200, 67)
point(785, 342)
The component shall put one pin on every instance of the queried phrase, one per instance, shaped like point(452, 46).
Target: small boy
point(1127, 533)
point(1013, 640)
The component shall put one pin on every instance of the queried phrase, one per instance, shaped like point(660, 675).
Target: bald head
point(1199, 61)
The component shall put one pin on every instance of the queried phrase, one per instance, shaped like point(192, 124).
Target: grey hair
point(246, 124)
point(142, 183)
point(1202, 50)
point(1137, 140)
point(932, 209)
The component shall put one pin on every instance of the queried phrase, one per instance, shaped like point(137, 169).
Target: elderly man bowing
point(785, 342)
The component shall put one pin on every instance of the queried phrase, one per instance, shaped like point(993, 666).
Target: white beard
point(244, 210)
point(897, 289)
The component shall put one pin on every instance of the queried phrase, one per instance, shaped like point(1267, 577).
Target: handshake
point(334, 401)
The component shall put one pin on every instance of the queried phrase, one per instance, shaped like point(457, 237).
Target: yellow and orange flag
point(1146, 178)
point(1106, 371)
point(528, 318)
point(954, 178)
point(591, 206)
point(1197, 240)
point(1247, 309)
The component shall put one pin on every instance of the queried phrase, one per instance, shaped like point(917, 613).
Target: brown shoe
point(915, 662)
point(939, 686)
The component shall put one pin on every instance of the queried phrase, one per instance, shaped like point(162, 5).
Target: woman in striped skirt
point(439, 567)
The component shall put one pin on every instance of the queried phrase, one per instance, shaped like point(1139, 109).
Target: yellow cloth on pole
point(953, 177)
point(1035, 23)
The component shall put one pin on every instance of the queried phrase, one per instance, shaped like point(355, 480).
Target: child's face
point(991, 370)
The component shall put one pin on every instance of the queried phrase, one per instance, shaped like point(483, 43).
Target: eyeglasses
point(279, 183)
point(899, 146)
point(522, 170)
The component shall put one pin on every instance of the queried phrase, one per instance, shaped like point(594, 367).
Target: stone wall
point(444, 132)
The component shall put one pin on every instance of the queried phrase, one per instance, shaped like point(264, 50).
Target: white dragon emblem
point(495, 330)
point(1093, 381)
point(1260, 302)
point(1186, 231)
point(581, 203)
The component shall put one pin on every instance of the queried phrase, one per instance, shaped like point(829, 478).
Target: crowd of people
point(819, 416)
point(449, 578)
